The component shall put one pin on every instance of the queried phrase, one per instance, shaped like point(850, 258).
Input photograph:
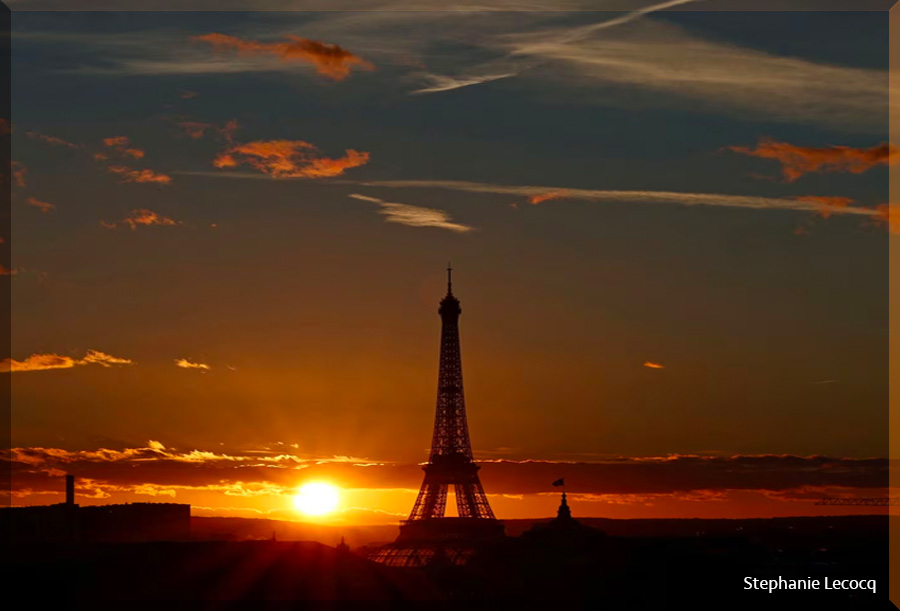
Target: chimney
point(70, 490)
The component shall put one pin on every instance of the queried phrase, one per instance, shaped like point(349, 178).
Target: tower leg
point(471, 501)
point(432, 500)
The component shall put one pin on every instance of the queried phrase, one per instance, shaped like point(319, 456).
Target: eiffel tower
point(428, 536)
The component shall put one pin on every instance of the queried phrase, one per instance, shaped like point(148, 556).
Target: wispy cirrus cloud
point(652, 365)
point(52, 140)
point(288, 159)
point(655, 57)
point(43, 362)
point(141, 217)
point(633, 197)
point(440, 82)
point(518, 60)
point(330, 60)
point(797, 161)
point(413, 216)
point(635, 56)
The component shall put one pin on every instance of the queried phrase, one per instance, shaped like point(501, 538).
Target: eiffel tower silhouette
point(428, 535)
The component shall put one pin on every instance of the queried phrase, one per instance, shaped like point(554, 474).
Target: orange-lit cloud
point(195, 129)
point(543, 197)
point(7, 272)
point(18, 173)
point(42, 362)
point(139, 175)
point(138, 217)
point(330, 60)
point(42, 205)
point(120, 145)
point(799, 160)
point(652, 365)
point(187, 94)
point(157, 464)
point(288, 159)
point(52, 140)
point(186, 364)
point(828, 204)
point(633, 480)
point(227, 130)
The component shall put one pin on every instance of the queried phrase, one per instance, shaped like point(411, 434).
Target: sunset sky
point(669, 227)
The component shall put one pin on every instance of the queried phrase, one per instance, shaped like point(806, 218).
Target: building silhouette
point(428, 536)
point(70, 523)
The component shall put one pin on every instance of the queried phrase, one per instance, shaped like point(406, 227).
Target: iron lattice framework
point(428, 538)
point(450, 462)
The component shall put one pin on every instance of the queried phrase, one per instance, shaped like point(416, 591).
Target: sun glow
point(317, 499)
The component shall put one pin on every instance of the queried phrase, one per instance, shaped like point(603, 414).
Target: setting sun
point(316, 499)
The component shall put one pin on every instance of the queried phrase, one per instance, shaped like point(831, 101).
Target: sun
point(317, 499)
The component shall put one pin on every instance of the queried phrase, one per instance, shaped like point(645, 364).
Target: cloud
point(512, 64)
point(138, 217)
point(629, 197)
point(543, 197)
point(196, 130)
point(652, 365)
point(288, 159)
point(447, 83)
point(414, 216)
point(120, 146)
point(828, 204)
point(252, 473)
point(187, 94)
point(42, 362)
point(186, 364)
point(19, 171)
point(52, 140)
point(139, 175)
point(330, 60)
point(42, 205)
point(8, 272)
point(799, 160)
point(660, 58)
point(628, 60)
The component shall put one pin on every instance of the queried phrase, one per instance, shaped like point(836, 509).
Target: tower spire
point(449, 279)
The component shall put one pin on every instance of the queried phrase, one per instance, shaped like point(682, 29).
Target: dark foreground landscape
point(627, 564)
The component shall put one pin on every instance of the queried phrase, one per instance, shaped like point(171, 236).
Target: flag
point(560, 482)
